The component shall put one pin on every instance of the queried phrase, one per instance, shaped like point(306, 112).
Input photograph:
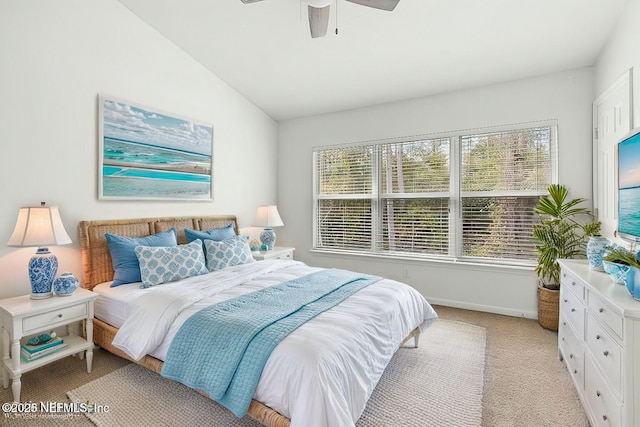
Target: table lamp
point(268, 217)
point(39, 227)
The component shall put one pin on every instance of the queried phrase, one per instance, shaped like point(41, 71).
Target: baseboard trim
point(484, 308)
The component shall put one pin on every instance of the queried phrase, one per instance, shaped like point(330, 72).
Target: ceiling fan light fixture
point(318, 11)
point(318, 20)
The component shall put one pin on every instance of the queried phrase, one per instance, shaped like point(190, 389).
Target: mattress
point(113, 304)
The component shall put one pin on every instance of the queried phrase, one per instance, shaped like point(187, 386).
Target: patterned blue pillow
point(167, 264)
point(228, 252)
point(125, 263)
point(217, 234)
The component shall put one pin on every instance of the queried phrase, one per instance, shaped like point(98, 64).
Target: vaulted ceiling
point(424, 47)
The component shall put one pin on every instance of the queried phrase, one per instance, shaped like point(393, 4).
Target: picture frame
point(148, 154)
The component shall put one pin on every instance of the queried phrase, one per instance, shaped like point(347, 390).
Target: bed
point(371, 343)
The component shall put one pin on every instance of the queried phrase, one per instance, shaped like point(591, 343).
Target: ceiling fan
point(318, 11)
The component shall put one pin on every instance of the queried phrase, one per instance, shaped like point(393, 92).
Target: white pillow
point(162, 264)
point(228, 252)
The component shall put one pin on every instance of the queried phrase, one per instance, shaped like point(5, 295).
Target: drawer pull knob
point(606, 353)
point(571, 356)
point(575, 371)
point(60, 316)
point(601, 310)
point(573, 283)
point(604, 417)
point(598, 393)
point(573, 309)
point(566, 300)
point(597, 337)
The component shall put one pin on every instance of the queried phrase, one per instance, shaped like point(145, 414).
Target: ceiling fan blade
point(378, 4)
point(318, 21)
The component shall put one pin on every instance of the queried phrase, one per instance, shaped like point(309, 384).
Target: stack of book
point(29, 352)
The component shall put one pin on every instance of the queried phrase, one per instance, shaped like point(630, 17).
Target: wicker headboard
point(96, 259)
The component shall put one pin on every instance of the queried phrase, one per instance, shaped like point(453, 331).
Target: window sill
point(447, 262)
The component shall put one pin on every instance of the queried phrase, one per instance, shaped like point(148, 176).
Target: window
point(464, 195)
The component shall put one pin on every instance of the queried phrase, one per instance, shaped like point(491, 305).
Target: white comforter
point(323, 373)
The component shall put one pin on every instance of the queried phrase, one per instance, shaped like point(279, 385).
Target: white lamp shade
point(39, 226)
point(267, 216)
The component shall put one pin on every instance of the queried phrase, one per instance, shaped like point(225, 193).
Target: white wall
point(621, 53)
point(566, 97)
point(56, 58)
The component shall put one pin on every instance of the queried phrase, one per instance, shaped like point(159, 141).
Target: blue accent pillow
point(228, 252)
point(162, 264)
point(217, 234)
point(126, 268)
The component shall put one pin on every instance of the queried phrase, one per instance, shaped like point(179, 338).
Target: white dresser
point(599, 340)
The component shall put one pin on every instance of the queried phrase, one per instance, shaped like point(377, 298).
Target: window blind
point(344, 199)
point(464, 195)
point(415, 197)
point(503, 174)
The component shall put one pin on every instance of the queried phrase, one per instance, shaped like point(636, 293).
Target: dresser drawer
point(572, 352)
point(606, 352)
point(573, 310)
point(605, 407)
point(607, 315)
point(572, 283)
point(52, 318)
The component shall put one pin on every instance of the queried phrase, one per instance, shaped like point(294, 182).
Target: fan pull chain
point(337, 17)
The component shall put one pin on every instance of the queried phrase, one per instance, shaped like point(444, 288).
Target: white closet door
point(612, 117)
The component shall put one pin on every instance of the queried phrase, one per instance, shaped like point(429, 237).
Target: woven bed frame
point(97, 268)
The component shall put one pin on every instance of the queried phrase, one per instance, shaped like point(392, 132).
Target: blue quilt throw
point(222, 349)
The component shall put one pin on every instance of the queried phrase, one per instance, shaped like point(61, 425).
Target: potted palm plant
point(562, 232)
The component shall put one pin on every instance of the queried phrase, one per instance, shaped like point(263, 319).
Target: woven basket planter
point(548, 308)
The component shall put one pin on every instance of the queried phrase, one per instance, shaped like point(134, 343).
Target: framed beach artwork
point(152, 155)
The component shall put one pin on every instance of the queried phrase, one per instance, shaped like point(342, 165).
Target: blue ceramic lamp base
point(42, 270)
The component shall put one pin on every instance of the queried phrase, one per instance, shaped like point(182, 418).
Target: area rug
point(438, 384)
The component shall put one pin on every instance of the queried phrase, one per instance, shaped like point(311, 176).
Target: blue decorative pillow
point(167, 264)
point(215, 234)
point(126, 268)
point(228, 252)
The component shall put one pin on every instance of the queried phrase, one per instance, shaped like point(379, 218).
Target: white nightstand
point(22, 316)
point(275, 253)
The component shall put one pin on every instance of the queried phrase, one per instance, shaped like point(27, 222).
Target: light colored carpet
point(525, 385)
point(438, 384)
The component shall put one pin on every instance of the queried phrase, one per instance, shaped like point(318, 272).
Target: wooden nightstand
point(275, 253)
point(22, 317)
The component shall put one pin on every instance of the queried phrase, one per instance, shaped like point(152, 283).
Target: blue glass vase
point(43, 267)
point(596, 247)
point(633, 282)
